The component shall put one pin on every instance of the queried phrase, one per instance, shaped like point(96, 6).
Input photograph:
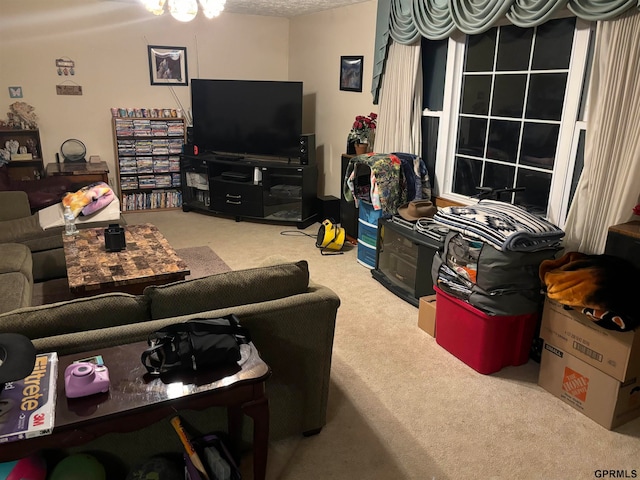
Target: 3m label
point(575, 384)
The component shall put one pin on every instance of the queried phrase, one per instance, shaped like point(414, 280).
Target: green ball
point(79, 466)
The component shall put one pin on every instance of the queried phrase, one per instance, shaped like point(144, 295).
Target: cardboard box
point(588, 389)
point(427, 314)
point(615, 353)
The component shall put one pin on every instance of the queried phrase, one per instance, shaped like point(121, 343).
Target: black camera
point(114, 238)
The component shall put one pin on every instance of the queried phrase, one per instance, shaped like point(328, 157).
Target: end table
point(137, 399)
point(81, 171)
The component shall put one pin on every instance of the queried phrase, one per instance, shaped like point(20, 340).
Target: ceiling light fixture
point(185, 10)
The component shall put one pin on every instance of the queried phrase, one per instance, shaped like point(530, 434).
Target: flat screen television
point(259, 117)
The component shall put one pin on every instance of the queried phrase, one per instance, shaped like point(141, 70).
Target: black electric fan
point(73, 150)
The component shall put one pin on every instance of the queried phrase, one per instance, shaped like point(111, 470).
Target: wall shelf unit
point(148, 162)
point(27, 165)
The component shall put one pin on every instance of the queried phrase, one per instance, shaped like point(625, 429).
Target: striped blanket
point(501, 225)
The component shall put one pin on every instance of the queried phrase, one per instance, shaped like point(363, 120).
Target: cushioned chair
point(41, 193)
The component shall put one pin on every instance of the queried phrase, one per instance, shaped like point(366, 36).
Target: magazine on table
point(28, 406)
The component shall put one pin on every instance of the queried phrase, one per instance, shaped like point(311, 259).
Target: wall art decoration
point(351, 73)
point(168, 65)
point(65, 66)
point(15, 92)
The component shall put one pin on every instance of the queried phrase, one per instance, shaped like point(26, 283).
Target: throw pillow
point(238, 287)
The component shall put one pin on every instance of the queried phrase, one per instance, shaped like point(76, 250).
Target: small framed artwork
point(15, 92)
point(168, 65)
point(351, 73)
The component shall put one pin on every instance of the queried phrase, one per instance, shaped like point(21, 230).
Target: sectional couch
point(16, 277)
point(291, 320)
point(19, 225)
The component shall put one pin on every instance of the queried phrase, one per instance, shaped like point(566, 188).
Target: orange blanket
point(603, 286)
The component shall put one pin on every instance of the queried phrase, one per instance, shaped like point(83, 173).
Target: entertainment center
point(247, 156)
point(250, 188)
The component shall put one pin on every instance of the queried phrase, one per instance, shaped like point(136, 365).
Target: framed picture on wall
point(168, 65)
point(351, 73)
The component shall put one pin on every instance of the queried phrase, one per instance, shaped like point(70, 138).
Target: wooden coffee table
point(137, 399)
point(147, 260)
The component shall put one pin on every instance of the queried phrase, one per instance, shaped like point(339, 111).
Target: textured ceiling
point(284, 8)
point(278, 8)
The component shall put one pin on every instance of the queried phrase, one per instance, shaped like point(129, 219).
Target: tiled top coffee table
point(147, 260)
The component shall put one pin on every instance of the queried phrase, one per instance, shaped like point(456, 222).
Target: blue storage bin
point(367, 213)
point(367, 233)
point(366, 255)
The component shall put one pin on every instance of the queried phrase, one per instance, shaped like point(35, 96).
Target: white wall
point(317, 41)
point(108, 41)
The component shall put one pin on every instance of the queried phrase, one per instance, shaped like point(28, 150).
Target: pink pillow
point(98, 203)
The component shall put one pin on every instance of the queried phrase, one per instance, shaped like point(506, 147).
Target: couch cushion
point(15, 257)
point(27, 230)
point(90, 313)
point(17, 292)
point(238, 287)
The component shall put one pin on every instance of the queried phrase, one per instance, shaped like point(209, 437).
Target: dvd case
point(28, 406)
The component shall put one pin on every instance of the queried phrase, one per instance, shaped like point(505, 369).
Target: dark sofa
point(291, 320)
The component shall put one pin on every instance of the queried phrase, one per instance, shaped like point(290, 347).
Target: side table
point(82, 172)
point(137, 399)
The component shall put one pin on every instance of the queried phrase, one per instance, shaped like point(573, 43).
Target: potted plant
point(362, 132)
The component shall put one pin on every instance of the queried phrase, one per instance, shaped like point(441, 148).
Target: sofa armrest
point(14, 204)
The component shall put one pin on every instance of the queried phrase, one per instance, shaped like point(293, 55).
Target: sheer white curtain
point(610, 182)
point(400, 106)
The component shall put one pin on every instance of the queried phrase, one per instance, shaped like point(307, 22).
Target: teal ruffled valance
point(406, 21)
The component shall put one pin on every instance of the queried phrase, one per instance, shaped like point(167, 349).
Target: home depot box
point(427, 314)
point(588, 389)
point(615, 353)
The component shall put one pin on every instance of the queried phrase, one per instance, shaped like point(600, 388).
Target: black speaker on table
point(307, 149)
point(189, 134)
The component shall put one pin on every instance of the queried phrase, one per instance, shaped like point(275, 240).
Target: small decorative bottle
point(69, 222)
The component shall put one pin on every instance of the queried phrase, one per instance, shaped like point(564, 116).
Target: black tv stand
point(250, 188)
point(230, 158)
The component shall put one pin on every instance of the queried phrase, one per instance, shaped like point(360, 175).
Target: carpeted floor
point(400, 406)
point(202, 261)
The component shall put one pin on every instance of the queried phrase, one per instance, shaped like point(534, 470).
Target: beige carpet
point(400, 406)
point(200, 260)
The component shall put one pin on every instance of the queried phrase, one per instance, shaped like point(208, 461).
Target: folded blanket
point(89, 199)
point(51, 217)
point(502, 225)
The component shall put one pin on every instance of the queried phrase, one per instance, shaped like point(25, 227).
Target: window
point(509, 115)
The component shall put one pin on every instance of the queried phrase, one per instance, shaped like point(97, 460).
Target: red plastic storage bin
point(486, 343)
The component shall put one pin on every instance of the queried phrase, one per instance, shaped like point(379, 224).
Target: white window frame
point(565, 154)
